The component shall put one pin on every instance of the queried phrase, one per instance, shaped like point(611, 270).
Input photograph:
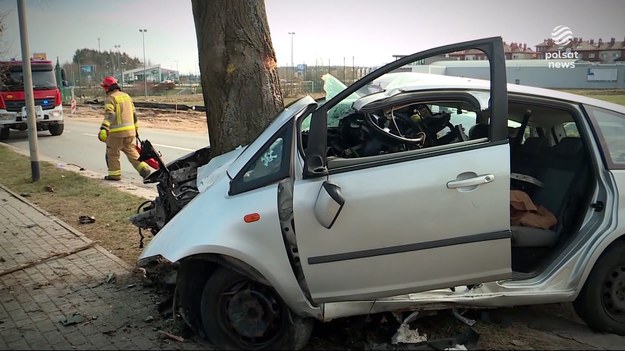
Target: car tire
point(263, 320)
point(56, 129)
point(4, 133)
point(601, 303)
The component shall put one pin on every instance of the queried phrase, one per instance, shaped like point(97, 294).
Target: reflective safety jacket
point(119, 115)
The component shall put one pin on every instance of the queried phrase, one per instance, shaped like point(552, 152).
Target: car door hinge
point(598, 206)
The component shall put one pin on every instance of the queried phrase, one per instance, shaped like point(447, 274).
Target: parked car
point(393, 194)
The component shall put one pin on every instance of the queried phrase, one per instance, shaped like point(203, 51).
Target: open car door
point(415, 219)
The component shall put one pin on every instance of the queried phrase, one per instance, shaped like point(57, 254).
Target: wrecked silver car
point(403, 191)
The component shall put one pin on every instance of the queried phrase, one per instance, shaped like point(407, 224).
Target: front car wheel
point(601, 303)
point(240, 313)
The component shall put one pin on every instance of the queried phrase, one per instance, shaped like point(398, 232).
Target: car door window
point(570, 129)
point(610, 128)
point(407, 123)
point(269, 165)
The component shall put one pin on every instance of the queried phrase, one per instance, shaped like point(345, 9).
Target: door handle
point(475, 181)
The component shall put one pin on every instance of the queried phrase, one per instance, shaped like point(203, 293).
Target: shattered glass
point(332, 86)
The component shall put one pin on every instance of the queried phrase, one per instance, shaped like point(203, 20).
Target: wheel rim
point(613, 293)
point(251, 314)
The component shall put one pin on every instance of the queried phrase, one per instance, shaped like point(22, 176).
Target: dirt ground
point(189, 121)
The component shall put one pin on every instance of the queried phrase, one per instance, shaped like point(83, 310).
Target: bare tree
point(3, 68)
point(3, 16)
point(240, 81)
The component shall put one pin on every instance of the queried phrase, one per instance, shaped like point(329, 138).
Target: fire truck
point(47, 95)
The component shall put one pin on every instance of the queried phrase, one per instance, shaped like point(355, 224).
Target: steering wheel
point(373, 120)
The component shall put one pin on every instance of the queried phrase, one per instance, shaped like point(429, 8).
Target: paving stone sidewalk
point(60, 290)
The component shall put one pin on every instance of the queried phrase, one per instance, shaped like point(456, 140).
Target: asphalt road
point(79, 146)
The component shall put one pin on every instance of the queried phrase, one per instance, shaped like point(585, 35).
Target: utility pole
point(177, 72)
point(98, 44)
point(28, 91)
point(119, 64)
point(292, 34)
point(79, 74)
point(145, 73)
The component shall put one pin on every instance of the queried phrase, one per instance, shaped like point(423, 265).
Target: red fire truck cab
point(48, 101)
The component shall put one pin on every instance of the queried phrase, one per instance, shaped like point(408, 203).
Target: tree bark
point(238, 70)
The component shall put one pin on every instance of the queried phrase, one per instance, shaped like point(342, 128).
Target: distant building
point(599, 51)
point(153, 74)
point(592, 51)
point(513, 51)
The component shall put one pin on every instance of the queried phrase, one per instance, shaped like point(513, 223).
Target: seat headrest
point(478, 131)
point(569, 147)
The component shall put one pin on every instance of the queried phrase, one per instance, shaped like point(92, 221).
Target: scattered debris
point(170, 278)
point(32, 225)
point(148, 319)
point(463, 319)
point(79, 167)
point(165, 307)
point(72, 319)
point(110, 278)
point(52, 255)
point(2, 259)
point(130, 286)
point(517, 342)
point(487, 317)
point(171, 336)
point(463, 341)
point(86, 219)
point(49, 188)
point(405, 335)
point(25, 194)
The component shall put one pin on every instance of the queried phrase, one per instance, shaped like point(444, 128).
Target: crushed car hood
point(210, 172)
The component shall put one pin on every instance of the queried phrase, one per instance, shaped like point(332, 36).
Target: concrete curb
point(69, 228)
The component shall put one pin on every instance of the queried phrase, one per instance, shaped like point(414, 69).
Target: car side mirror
point(329, 204)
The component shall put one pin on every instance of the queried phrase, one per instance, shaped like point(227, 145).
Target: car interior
point(546, 146)
point(548, 159)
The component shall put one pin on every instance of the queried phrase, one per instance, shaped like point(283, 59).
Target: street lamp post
point(292, 34)
point(177, 72)
point(145, 75)
point(119, 64)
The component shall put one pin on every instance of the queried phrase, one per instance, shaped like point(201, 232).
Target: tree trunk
point(238, 68)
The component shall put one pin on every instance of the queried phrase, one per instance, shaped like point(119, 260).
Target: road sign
point(72, 105)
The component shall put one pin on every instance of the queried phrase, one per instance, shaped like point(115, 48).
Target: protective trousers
point(115, 145)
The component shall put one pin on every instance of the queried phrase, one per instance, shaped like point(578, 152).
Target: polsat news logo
point(562, 36)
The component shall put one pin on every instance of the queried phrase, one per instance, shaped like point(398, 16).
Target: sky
point(362, 32)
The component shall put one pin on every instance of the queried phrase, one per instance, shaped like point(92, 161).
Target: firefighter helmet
point(107, 82)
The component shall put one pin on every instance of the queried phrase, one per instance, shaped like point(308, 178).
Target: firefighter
point(119, 130)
